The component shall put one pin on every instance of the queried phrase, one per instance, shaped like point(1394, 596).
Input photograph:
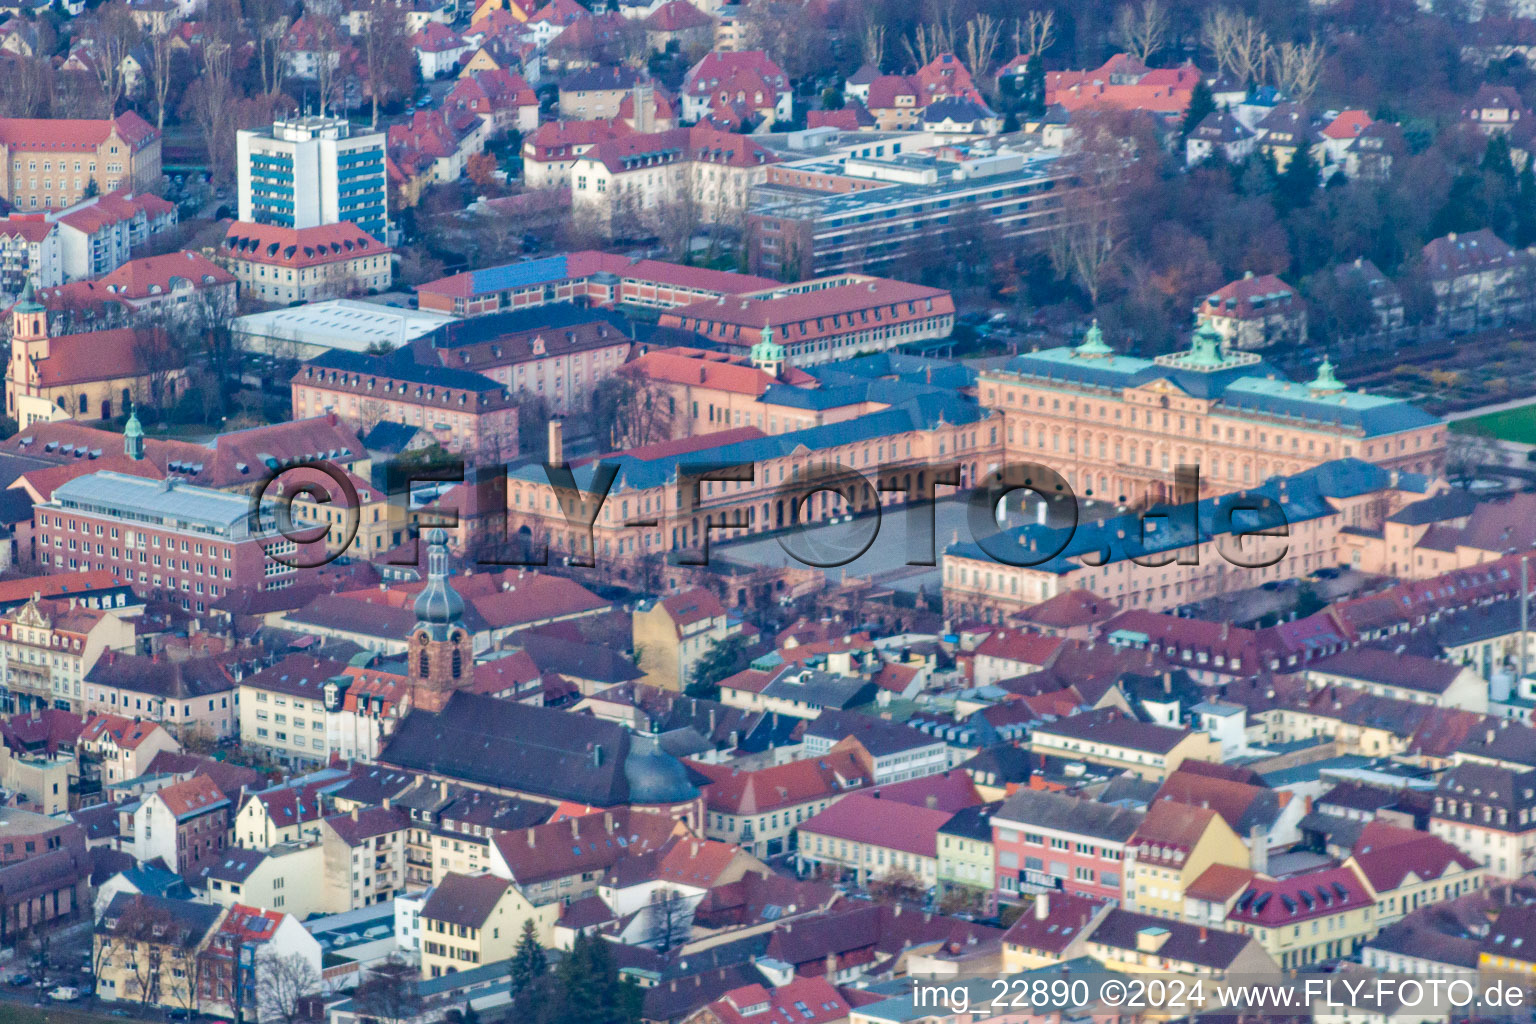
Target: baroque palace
point(1114, 426)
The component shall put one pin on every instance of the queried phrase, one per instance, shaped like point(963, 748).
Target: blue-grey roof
point(401, 365)
point(1170, 528)
point(1253, 387)
point(920, 413)
point(944, 373)
point(490, 326)
point(519, 275)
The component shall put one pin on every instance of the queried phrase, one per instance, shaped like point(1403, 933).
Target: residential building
point(1123, 83)
point(140, 524)
point(1219, 134)
point(551, 150)
point(184, 826)
point(1488, 813)
point(284, 712)
point(1407, 869)
point(642, 178)
point(596, 92)
point(190, 697)
point(892, 751)
point(287, 811)
point(822, 320)
point(1054, 929)
point(54, 162)
point(30, 250)
point(249, 950)
point(759, 809)
point(306, 172)
point(967, 860)
point(1170, 849)
point(737, 85)
point(1363, 279)
point(48, 646)
point(98, 235)
point(1308, 917)
point(146, 948)
point(288, 877)
point(1045, 841)
point(1478, 279)
point(871, 838)
point(676, 632)
point(1255, 312)
point(280, 265)
point(1495, 109)
point(562, 862)
point(804, 1000)
point(502, 98)
point(472, 920)
point(364, 853)
point(1112, 738)
point(177, 279)
point(1402, 676)
point(1140, 944)
point(124, 747)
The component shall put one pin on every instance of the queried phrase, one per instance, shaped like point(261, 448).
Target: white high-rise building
point(309, 171)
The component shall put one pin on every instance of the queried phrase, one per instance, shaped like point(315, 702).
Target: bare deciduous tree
point(267, 22)
point(1238, 43)
point(983, 34)
point(1035, 32)
point(670, 919)
point(1298, 67)
point(929, 40)
point(388, 992)
point(1142, 28)
point(212, 98)
point(28, 86)
point(160, 55)
point(1089, 231)
point(114, 34)
point(385, 49)
point(872, 44)
point(282, 983)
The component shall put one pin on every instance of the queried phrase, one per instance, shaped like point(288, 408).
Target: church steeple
point(29, 318)
point(441, 654)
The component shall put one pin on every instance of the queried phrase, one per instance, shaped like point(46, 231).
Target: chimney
point(556, 443)
point(575, 828)
point(1203, 933)
point(530, 839)
point(442, 790)
point(607, 821)
point(1042, 906)
point(354, 814)
point(831, 966)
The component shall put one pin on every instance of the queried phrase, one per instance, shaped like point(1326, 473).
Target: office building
point(309, 171)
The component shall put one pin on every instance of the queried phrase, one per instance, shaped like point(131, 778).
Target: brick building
point(169, 538)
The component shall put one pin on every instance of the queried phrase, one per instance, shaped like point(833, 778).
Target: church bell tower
point(441, 655)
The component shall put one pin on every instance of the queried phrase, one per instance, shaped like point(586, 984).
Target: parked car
point(64, 994)
point(19, 979)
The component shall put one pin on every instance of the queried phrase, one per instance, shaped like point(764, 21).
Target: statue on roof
point(1094, 346)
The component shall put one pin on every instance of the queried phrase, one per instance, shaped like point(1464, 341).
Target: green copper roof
point(1204, 349)
point(767, 350)
point(1326, 380)
point(1094, 344)
point(27, 301)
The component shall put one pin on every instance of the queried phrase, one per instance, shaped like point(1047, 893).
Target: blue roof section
point(920, 413)
point(1254, 387)
point(519, 275)
point(946, 373)
point(1169, 528)
point(1375, 415)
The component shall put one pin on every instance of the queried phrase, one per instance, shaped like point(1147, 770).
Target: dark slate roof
point(971, 822)
point(235, 864)
point(477, 330)
point(578, 660)
point(465, 899)
point(1060, 811)
point(389, 436)
point(877, 735)
point(516, 746)
point(399, 365)
point(1110, 725)
point(1208, 947)
point(1452, 504)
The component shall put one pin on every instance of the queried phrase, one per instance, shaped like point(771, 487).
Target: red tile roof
point(151, 275)
point(636, 152)
point(1277, 903)
point(862, 818)
point(802, 1001)
point(99, 355)
point(733, 791)
point(197, 795)
point(1348, 125)
point(300, 247)
point(39, 133)
point(124, 732)
point(1386, 855)
point(1237, 298)
point(823, 312)
point(1170, 828)
point(677, 16)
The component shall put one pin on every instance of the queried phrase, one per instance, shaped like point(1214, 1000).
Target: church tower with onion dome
point(441, 655)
